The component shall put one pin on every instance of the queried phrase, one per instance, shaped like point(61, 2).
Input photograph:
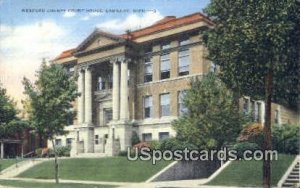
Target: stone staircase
point(292, 178)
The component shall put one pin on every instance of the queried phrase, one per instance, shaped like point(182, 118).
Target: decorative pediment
point(98, 39)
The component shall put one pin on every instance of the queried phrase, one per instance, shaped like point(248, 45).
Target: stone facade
point(132, 82)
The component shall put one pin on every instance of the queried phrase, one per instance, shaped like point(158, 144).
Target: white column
point(80, 115)
point(2, 150)
point(124, 90)
point(88, 96)
point(116, 91)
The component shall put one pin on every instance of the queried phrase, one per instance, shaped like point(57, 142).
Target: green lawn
point(4, 163)
point(26, 184)
point(249, 173)
point(117, 169)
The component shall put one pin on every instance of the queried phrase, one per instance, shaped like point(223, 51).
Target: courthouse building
point(135, 82)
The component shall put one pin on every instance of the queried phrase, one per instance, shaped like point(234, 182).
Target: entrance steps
point(292, 176)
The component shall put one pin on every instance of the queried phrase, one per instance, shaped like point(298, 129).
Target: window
point(182, 109)
point(70, 117)
point(71, 69)
point(165, 104)
point(101, 83)
point(259, 118)
point(163, 135)
point(107, 115)
point(213, 67)
point(147, 106)
point(58, 142)
point(165, 66)
point(165, 45)
point(246, 106)
point(96, 139)
point(147, 70)
point(277, 116)
point(128, 76)
point(147, 137)
point(184, 41)
point(184, 62)
point(69, 141)
point(110, 81)
point(77, 135)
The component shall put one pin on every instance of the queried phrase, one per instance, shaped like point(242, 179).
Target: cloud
point(131, 22)
point(90, 15)
point(85, 18)
point(22, 49)
point(94, 14)
point(69, 14)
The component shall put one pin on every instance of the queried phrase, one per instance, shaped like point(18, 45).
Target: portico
point(119, 92)
point(87, 76)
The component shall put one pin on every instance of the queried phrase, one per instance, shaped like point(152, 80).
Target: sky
point(35, 29)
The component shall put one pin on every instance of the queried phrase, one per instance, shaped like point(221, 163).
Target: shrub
point(141, 145)
point(63, 151)
point(184, 145)
point(51, 153)
point(252, 133)
point(132, 153)
point(123, 153)
point(174, 144)
point(285, 138)
point(38, 152)
point(169, 144)
point(155, 145)
point(292, 146)
point(243, 146)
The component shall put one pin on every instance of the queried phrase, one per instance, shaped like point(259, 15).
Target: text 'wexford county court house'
point(135, 83)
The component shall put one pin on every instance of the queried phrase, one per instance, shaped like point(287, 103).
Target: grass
point(249, 173)
point(26, 184)
point(5, 163)
point(116, 169)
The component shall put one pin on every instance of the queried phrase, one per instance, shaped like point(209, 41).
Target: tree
point(10, 124)
point(257, 44)
point(213, 120)
point(51, 97)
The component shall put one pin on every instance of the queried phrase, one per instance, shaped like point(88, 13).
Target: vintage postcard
point(149, 93)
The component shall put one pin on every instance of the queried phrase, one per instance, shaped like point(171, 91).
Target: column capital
point(126, 60)
point(81, 68)
point(88, 68)
point(113, 60)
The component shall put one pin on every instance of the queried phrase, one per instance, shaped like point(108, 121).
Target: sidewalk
point(173, 184)
point(69, 181)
